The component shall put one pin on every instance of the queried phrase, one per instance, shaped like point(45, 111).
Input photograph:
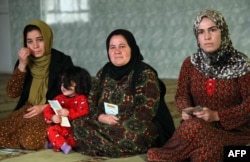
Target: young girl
point(75, 86)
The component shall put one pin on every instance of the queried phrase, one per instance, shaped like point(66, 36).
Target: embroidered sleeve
point(80, 108)
point(147, 96)
point(238, 115)
point(48, 113)
point(94, 97)
point(183, 97)
point(15, 84)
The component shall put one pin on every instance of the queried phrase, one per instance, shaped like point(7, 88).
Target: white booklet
point(56, 106)
point(110, 108)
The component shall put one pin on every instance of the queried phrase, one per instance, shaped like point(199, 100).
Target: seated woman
point(215, 78)
point(124, 101)
point(34, 80)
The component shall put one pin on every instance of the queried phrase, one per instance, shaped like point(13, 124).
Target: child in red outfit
point(75, 87)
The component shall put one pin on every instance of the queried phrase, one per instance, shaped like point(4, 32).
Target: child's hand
point(63, 112)
point(56, 119)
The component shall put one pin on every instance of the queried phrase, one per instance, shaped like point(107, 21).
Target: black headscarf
point(162, 120)
point(117, 72)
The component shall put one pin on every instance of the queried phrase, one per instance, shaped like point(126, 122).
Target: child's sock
point(65, 148)
point(48, 145)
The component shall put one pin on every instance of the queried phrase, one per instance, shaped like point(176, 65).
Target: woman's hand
point(23, 56)
point(207, 115)
point(185, 116)
point(34, 110)
point(108, 119)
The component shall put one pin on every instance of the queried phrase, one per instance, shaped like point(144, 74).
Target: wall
point(163, 28)
point(5, 48)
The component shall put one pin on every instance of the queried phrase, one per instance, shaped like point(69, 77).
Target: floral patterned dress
point(29, 133)
point(197, 139)
point(16, 131)
point(135, 132)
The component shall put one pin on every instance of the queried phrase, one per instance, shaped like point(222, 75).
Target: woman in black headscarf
point(216, 79)
point(124, 100)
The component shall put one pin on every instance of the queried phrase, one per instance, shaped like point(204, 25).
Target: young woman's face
point(35, 43)
point(209, 36)
point(70, 92)
point(119, 50)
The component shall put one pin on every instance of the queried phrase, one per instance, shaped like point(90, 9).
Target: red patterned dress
point(200, 140)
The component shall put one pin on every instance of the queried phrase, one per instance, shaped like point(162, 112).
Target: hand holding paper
point(56, 106)
point(190, 110)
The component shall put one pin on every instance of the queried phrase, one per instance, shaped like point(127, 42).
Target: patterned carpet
point(10, 153)
point(7, 104)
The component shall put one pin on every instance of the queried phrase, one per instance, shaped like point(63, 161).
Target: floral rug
point(9, 153)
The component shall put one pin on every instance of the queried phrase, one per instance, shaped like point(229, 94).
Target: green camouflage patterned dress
point(135, 132)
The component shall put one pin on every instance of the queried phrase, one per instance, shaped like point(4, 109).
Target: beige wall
point(163, 28)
